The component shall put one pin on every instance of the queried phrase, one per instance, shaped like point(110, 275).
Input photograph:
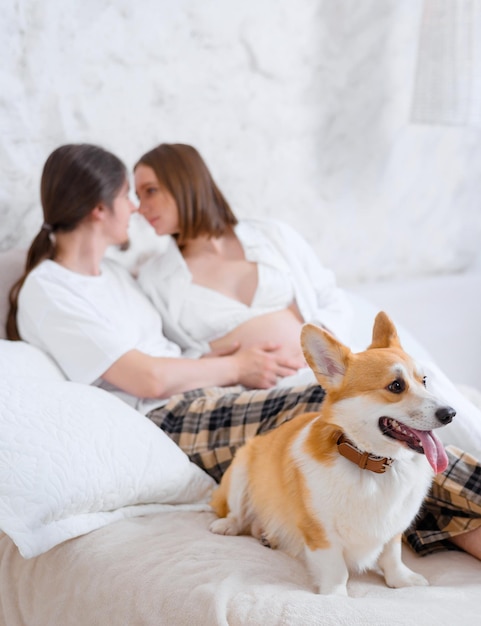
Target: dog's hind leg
point(257, 531)
point(396, 574)
point(238, 519)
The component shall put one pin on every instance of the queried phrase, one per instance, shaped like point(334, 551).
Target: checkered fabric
point(210, 424)
point(452, 507)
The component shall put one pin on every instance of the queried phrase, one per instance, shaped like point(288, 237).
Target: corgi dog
point(339, 487)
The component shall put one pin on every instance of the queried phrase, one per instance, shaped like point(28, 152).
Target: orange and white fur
point(292, 489)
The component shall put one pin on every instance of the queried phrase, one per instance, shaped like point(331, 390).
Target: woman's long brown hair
point(203, 210)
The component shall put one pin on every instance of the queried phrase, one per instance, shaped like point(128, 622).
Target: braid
point(41, 248)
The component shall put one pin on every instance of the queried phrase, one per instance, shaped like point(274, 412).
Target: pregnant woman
point(223, 282)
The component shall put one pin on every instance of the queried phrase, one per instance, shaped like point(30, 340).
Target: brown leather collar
point(365, 460)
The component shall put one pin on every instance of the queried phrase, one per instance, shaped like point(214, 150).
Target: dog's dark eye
point(424, 380)
point(397, 386)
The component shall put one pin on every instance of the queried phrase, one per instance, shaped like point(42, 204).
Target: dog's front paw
point(225, 526)
point(405, 578)
point(332, 590)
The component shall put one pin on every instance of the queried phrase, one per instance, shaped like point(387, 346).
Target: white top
point(86, 323)
point(221, 314)
point(288, 270)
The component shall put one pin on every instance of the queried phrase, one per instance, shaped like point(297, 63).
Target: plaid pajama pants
point(452, 507)
point(210, 424)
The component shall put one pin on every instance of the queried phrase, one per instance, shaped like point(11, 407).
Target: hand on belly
point(281, 328)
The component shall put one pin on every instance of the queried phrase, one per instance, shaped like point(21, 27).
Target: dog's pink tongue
point(434, 450)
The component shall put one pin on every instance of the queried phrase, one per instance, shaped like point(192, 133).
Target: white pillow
point(18, 358)
point(74, 458)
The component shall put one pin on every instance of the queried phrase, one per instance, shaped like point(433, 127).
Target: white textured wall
point(302, 110)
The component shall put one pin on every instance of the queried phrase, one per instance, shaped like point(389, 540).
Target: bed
point(106, 522)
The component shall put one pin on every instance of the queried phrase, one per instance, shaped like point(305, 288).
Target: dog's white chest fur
point(360, 510)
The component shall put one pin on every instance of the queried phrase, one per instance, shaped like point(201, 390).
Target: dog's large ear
point(326, 356)
point(384, 333)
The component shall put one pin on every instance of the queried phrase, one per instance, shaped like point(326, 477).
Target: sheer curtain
point(447, 88)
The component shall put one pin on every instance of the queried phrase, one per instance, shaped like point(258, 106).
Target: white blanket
point(169, 569)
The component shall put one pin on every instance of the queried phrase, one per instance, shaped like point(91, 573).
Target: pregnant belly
point(281, 327)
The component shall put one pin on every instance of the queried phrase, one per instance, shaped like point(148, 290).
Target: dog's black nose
point(445, 414)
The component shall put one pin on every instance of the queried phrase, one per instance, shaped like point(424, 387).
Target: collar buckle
point(364, 460)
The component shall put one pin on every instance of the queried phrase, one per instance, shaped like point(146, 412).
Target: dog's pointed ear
point(384, 333)
point(326, 356)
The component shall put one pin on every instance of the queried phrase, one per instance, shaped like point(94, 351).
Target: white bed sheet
point(167, 568)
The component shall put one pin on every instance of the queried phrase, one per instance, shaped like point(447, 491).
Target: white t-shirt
point(86, 323)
